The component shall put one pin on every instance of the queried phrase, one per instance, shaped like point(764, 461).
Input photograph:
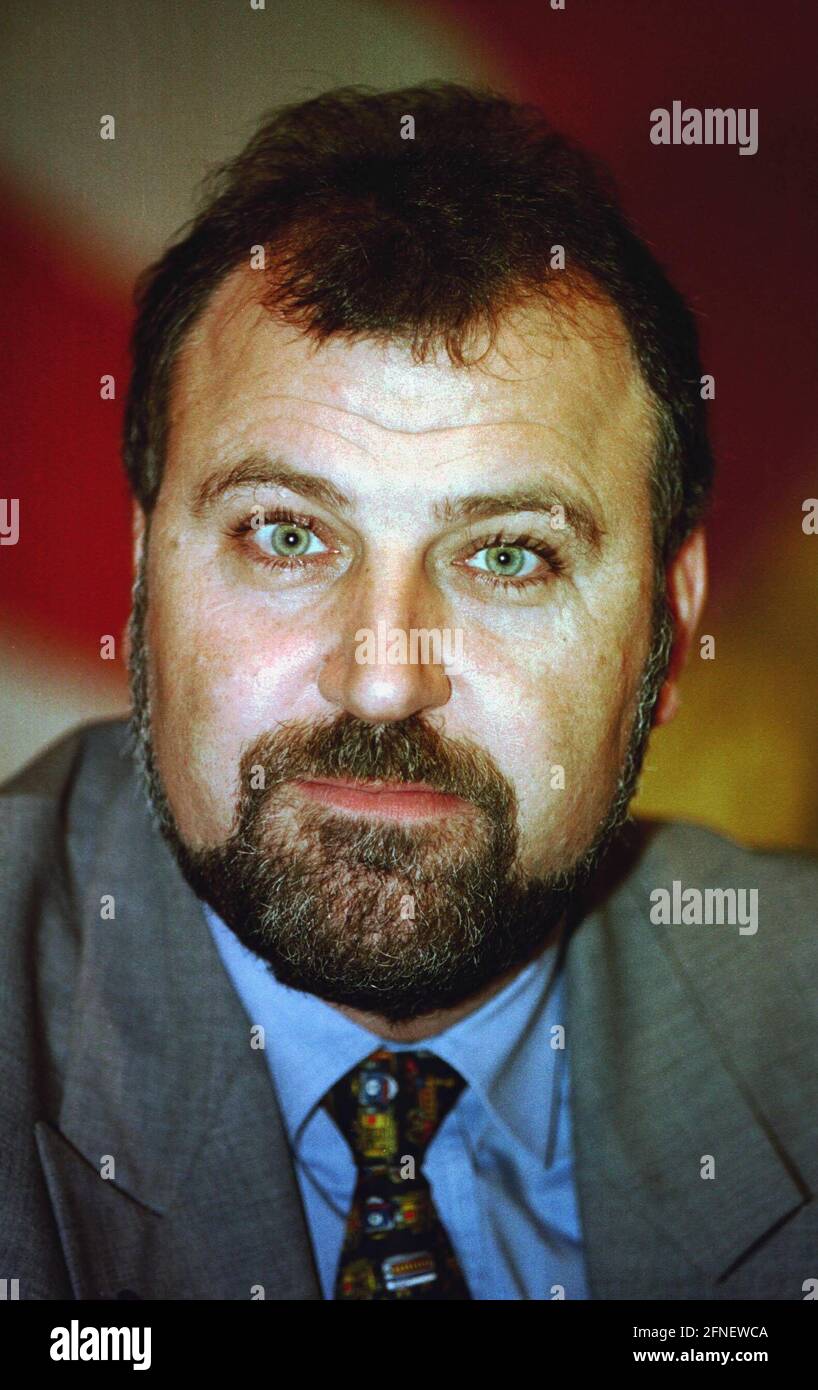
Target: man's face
point(312, 493)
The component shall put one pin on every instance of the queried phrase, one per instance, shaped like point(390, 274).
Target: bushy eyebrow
point(257, 470)
point(548, 501)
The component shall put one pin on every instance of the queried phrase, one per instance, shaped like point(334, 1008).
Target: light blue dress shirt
point(501, 1164)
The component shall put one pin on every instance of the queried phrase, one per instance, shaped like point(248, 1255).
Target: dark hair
point(425, 240)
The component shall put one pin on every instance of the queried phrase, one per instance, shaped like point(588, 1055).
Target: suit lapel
point(164, 1092)
point(652, 1094)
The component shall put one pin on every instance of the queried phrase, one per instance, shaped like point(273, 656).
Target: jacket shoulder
point(50, 814)
point(99, 749)
point(697, 856)
point(739, 924)
point(55, 800)
point(738, 930)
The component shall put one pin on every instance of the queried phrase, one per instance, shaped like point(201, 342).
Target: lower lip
point(408, 803)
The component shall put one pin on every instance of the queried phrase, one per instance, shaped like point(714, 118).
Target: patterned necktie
point(388, 1108)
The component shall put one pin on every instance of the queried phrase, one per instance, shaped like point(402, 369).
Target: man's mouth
point(393, 800)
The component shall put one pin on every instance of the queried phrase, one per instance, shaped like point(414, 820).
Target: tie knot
point(391, 1105)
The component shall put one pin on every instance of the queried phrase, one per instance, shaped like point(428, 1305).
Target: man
point(346, 976)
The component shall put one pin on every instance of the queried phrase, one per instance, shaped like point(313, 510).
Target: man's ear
point(686, 593)
point(138, 533)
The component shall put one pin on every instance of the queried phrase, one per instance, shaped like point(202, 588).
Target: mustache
point(409, 750)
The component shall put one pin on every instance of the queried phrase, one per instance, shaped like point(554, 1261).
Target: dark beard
point(391, 918)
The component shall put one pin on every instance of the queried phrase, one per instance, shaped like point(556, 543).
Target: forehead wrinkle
point(223, 321)
point(577, 435)
point(521, 421)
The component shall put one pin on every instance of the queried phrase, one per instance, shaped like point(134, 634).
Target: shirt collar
point(504, 1050)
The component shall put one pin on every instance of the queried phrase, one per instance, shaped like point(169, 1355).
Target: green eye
point(502, 559)
point(506, 561)
point(285, 539)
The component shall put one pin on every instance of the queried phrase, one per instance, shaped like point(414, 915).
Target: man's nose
point(381, 669)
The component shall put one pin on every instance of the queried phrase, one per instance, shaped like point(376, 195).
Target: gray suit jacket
point(125, 1038)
